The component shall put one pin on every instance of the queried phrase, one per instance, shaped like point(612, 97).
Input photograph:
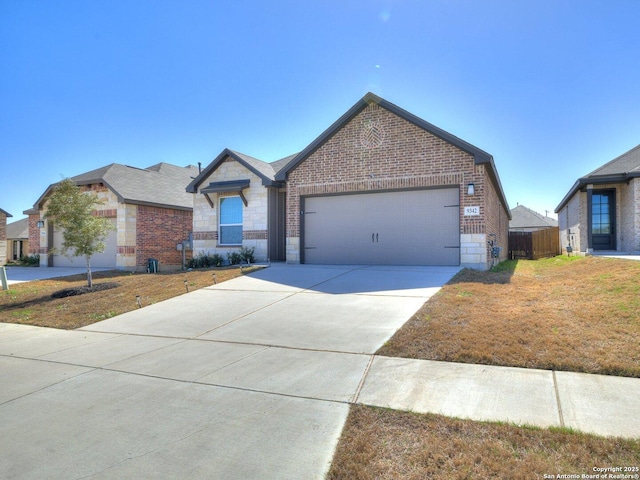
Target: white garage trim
point(398, 227)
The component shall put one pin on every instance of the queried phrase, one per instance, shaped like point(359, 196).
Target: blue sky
point(550, 88)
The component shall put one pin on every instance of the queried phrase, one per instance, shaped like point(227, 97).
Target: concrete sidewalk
point(599, 404)
point(253, 378)
point(28, 274)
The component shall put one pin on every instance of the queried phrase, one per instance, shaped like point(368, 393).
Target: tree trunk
point(89, 276)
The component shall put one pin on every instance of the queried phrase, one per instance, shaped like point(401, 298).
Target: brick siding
point(158, 231)
point(34, 234)
point(403, 156)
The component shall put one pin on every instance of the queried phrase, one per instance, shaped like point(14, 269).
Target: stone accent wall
point(158, 231)
point(400, 155)
point(254, 214)
point(126, 223)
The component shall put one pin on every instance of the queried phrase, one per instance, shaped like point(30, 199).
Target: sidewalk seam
point(557, 392)
point(362, 380)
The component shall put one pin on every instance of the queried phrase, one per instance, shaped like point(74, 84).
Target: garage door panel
point(106, 259)
point(418, 227)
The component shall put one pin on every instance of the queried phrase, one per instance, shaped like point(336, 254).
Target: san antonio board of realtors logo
point(372, 135)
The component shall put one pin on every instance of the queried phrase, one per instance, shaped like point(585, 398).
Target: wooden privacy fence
point(534, 245)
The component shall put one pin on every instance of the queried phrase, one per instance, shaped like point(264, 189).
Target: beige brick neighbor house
point(17, 239)
point(149, 208)
point(601, 211)
point(379, 186)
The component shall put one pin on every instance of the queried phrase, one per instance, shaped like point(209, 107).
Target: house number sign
point(471, 211)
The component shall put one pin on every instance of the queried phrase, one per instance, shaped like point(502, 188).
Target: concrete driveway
point(251, 378)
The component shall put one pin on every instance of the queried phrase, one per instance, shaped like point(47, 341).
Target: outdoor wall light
point(471, 189)
point(40, 224)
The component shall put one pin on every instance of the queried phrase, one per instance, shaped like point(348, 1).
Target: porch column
point(589, 218)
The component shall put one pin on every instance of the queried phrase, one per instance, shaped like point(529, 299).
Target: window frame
point(222, 225)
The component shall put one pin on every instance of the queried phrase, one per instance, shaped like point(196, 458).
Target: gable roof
point(480, 156)
point(523, 217)
point(619, 170)
point(158, 185)
point(265, 170)
point(6, 213)
point(18, 229)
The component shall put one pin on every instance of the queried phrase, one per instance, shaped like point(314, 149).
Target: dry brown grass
point(385, 444)
point(31, 302)
point(578, 314)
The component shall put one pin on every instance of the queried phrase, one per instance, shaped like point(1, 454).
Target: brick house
point(149, 208)
point(3, 235)
point(379, 186)
point(601, 211)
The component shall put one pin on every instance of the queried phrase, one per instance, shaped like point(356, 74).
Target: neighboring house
point(524, 219)
point(602, 209)
point(3, 235)
point(17, 240)
point(149, 208)
point(379, 186)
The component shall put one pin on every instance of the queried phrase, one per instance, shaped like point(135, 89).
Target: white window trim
point(220, 224)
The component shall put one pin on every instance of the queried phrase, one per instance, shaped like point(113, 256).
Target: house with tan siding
point(149, 208)
point(601, 211)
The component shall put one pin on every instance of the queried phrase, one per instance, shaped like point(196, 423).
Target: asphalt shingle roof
point(523, 217)
point(161, 184)
point(625, 163)
point(18, 229)
point(620, 169)
point(266, 170)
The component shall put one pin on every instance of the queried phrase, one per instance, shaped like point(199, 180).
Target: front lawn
point(578, 314)
point(380, 444)
point(35, 303)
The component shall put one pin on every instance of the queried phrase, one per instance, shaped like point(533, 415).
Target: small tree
point(84, 233)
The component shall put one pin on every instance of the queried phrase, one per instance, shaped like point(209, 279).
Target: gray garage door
point(106, 259)
point(416, 227)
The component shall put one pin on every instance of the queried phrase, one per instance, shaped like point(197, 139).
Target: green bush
point(247, 254)
point(204, 260)
point(234, 258)
point(30, 260)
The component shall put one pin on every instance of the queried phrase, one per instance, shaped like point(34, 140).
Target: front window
point(230, 221)
point(600, 219)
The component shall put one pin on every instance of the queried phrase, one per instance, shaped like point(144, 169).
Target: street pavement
point(253, 378)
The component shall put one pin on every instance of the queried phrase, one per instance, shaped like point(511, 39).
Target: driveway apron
point(251, 378)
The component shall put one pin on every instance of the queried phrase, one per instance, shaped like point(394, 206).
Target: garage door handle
point(374, 237)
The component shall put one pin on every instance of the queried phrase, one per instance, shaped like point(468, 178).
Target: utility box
point(152, 266)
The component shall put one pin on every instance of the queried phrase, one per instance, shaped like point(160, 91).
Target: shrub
point(234, 258)
point(30, 260)
point(204, 260)
point(247, 254)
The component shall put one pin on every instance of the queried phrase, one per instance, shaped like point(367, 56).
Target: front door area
point(603, 220)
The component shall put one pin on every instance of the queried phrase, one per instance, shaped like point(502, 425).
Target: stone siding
point(254, 213)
